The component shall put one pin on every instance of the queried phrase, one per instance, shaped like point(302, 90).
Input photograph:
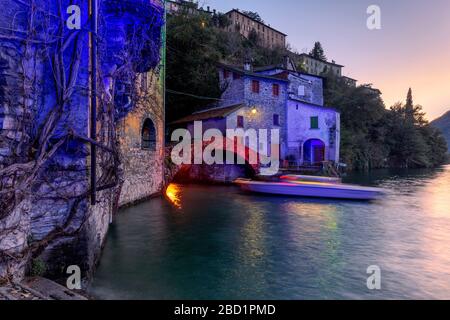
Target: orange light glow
point(173, 194)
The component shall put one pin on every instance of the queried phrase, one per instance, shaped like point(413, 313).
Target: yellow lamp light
point(254, 111)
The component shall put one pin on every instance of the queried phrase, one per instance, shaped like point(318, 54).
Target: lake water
point(213, 242)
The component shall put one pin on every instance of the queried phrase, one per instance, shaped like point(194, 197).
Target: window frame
point(276, 120)
point(275, 89)
point(149, 144)
point(301, 88)
point(240, 122)
point(314, 123)
point(256, 87)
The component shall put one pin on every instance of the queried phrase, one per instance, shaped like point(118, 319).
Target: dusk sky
point(411, 50)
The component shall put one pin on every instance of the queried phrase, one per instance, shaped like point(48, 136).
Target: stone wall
point(316, 89)
point(234, 90)
point(299, 129)
point(266, 105)
point(20, 69)
point(143, 174)
point(313, 85)
point(215, 174)
point(55, 218)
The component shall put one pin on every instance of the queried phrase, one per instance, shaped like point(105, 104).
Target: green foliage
point(221, 20)
point(318, 52)
point(253, 15)
point(374, 137)
point(443, 124)
point(38, 268)
point(195, 44)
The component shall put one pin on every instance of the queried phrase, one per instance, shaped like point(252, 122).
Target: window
point(276, 120)
point(144, 82)
point(226, 74)
point(276, 90)
point(314, 122)
point(148, 135)
point(255, 86)
point(240, 121)
point(301, 91)
point(236, 76)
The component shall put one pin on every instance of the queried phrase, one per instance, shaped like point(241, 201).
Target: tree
point(254, 15)
point(375, 137)
point(409, 107)
point(318, 52)
point(253, 37)
point(194, 47)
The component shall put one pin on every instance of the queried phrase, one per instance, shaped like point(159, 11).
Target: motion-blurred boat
point(312, 189)
point(302, 178)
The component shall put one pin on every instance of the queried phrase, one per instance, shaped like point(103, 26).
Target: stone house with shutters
point(276, 97)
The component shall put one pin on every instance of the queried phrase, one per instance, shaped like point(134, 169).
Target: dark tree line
point(372, 136)
point(376, 137)
point(195, 44)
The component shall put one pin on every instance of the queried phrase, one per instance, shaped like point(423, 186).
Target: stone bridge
point(216, 173)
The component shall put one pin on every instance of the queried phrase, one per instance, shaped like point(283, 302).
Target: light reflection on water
point(173, 194)
point(218, 243)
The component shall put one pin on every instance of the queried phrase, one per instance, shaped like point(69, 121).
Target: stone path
point(37, 289)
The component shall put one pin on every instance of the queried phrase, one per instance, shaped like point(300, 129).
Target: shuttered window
point(314, 122)
point(240, 121)
point(276, 90)
point(255, 86)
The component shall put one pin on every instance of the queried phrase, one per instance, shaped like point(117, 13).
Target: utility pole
point(93, 114)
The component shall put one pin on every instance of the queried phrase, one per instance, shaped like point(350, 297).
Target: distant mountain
point(443, 123)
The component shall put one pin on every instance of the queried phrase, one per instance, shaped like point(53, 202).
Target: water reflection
point(231, 245)
point(173, 194)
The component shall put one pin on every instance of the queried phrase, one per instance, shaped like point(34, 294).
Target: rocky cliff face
point(443, 123)
point(47, 221)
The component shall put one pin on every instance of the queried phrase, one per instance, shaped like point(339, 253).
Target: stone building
point(319, 67)
point(56, 201)
point(276, 97)
point(245, 25)
point(181, 6)
point(312, 129)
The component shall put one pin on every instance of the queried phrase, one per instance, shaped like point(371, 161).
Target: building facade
point(245, 25)
point(276, 97)
point(181, 6)
point(319, 67)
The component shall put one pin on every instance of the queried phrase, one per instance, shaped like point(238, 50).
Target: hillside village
point(86, 121)
point(246, 75)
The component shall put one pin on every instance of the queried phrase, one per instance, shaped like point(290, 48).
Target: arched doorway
point(314, 152)
point(148, 135)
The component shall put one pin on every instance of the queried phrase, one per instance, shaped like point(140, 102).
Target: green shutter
point(314, 122)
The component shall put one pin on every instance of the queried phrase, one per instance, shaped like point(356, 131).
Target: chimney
point(248, 66)
point(248, 62)
point(288, 64)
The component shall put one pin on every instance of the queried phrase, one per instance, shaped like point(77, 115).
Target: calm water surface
point(218, 243)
